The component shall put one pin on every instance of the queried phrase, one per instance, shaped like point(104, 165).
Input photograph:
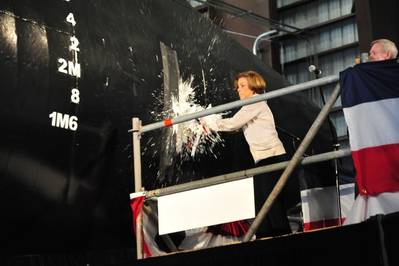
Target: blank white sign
point(201, 207)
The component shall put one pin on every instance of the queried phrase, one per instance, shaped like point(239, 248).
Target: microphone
point(315, 70)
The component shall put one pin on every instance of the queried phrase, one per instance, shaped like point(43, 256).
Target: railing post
point(136, 126)
point(136, 123)
point(337, 188)
point(296, 159)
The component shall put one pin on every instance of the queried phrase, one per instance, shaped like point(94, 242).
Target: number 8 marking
point(75, 97)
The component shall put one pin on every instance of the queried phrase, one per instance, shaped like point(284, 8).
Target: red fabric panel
point(321, 224)
point(136, 205)
point(377, 169)
point(237, 228)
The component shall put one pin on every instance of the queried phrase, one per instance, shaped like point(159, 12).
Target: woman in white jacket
point(257, 122)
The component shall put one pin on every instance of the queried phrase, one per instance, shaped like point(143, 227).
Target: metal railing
point(215, 180)
point(138, 129)
point(239, 103)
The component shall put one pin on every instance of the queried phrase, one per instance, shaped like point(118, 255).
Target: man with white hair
point(383, 49)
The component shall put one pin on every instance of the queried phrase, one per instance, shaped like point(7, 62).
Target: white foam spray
point(192, 137)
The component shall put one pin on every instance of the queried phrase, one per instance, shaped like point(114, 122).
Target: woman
point(257, 122)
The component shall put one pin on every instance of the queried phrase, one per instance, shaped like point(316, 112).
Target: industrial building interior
point(82, 184)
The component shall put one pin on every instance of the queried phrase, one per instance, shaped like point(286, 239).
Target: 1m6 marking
point(69, 122)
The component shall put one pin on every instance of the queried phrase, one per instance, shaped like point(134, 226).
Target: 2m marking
point(69, 68)
point(69, 122)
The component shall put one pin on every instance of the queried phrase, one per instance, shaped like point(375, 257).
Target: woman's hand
point(210, 122)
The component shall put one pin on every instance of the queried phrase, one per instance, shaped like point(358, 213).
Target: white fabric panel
point(369, 125)
point(347, 198)
point(367, 206)
point(201, 207)
point(199, 238)
point(320, 204)
point(194, 239)
point(150, 230)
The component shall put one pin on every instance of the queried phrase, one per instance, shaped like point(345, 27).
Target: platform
point(373, 242)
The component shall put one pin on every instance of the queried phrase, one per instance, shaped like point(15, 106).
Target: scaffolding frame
point(289, 166)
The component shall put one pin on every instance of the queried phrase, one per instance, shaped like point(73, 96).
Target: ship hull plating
point(73, 74)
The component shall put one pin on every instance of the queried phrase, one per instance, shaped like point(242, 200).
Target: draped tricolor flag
point(193, 219)
point(205, 237)
point(319, 197)
point(370, 100)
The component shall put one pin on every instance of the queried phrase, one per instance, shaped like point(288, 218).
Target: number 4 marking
point(71, 19)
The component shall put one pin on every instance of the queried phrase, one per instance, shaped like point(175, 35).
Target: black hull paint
point(62, 189)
